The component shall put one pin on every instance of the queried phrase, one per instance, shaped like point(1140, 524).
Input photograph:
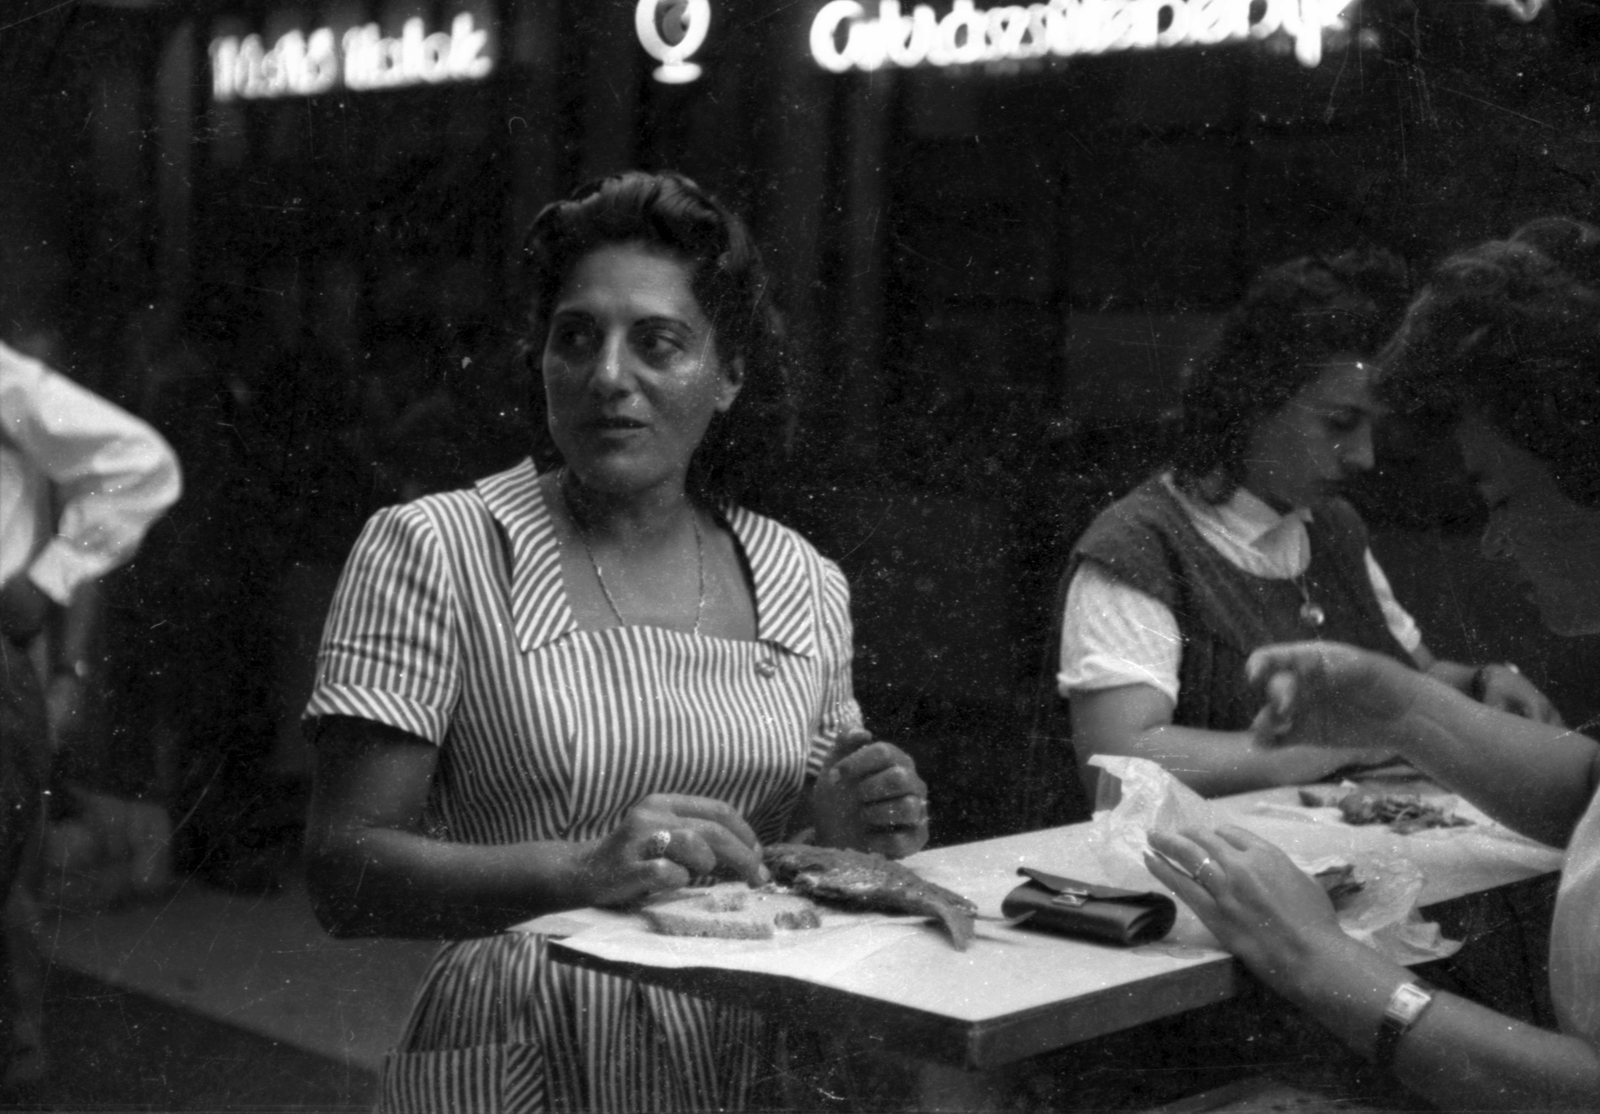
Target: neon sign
point(303, 65)
point(670, 32)
point(844, 36)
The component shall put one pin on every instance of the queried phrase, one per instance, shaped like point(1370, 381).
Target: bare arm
point(1534, 777)
point(1136, 720)
point(1280, 924)
point(1460, 1055)
point(1497, 684)
point(372, 870)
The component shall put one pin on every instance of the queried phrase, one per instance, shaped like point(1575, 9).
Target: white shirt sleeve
point(1113, 634)
point(1401, 624)
point(113, 474)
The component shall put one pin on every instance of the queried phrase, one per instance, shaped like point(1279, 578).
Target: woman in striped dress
point(581, 683)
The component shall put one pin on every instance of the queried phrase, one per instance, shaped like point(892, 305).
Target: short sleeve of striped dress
point(389, 652)
point(840, 712)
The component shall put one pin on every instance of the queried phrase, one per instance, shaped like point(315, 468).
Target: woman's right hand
point(664, 841)
point(1330, 695)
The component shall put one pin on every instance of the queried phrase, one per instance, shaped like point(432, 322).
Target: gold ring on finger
point(655, 847)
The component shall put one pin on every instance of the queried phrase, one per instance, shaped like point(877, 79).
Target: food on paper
point(1402, 812)
point(731, 911)
point(863, 880)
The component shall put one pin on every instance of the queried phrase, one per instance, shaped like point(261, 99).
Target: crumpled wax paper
point(1383, 915)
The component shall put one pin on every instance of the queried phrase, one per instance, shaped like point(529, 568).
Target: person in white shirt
point(1245, 541)
point(111, 475)
point(80, 482)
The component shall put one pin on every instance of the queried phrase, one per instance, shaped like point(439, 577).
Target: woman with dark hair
point(1504, 343)
point(592, 678)
point(1245, 541)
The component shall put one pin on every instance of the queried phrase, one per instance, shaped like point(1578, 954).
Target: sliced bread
point(731, 911)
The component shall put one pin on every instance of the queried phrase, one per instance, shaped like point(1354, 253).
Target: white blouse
point(1112, 634)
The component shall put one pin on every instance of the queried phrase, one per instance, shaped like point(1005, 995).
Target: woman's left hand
point(869, 798)
point(1504, 687)
point(1261, 907)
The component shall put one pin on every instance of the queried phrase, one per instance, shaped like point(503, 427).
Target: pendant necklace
point(699, 553)
point(1311, 611)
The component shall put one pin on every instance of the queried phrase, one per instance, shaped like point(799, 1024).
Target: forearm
point(1452, 673)
point(1218, 763)
point(1136, 721)
point(1534, 777)
point(385, 882)
point(1459, 1055)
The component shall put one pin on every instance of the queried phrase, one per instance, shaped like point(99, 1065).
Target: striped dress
point(451, 622)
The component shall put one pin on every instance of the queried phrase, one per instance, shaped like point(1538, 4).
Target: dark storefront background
point(994, 274)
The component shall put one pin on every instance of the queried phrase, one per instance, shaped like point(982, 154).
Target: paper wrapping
point(1383, 915)
point(843, 940)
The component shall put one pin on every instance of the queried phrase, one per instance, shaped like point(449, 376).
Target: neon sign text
point(844, 36)
point(303, 65)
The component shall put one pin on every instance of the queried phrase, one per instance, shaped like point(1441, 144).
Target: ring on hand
point(1205, 862)
point(655, 847)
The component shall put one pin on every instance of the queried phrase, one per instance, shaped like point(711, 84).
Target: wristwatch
point(1409, 1002)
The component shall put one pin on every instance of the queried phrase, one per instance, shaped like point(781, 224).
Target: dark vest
point(1147, 541)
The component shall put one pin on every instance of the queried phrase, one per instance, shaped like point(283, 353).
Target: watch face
point(1406, 1004)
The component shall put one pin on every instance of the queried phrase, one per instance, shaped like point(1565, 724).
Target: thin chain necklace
point(699, 554)
point(1310, 611)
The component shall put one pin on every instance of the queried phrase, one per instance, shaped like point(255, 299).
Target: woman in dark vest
point(1245, 540)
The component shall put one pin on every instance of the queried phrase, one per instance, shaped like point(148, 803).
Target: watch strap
point(1408, 1002)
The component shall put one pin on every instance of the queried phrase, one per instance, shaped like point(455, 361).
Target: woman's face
point(631, 373)
point(1303, 454)
point(1554, 541)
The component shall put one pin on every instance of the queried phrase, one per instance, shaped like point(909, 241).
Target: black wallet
point(1065, 905)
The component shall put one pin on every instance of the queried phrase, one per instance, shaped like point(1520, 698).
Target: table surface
point(1016, 993)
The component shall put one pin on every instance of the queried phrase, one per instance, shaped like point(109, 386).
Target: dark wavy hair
point(1293, 317)
point(744, 447)
point(1510, 330)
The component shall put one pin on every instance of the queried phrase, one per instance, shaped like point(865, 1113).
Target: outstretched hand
point(1328, 694)
point(869, 798)
point(1258, 904)
point(662, 843)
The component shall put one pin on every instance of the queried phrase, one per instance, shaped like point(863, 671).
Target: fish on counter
point(867, 881)
point(1403, 813)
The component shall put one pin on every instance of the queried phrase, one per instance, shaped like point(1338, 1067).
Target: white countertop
point(1015, 992)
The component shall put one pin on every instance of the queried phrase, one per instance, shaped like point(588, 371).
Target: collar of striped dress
point(783, 577)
